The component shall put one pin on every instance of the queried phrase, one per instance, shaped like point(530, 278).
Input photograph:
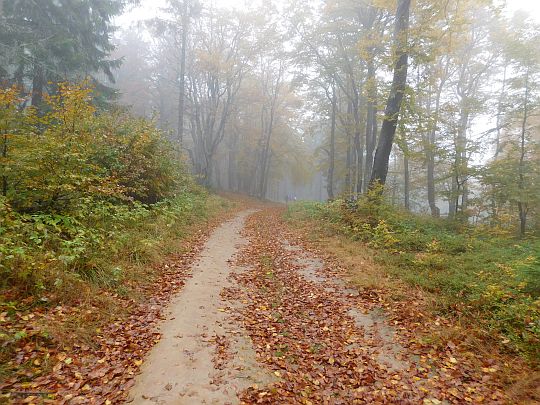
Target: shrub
point(76, 183)
point(72, 156)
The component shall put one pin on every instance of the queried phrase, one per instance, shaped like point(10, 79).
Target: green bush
point(36, 250)
point(79, 186)
point(72, 156)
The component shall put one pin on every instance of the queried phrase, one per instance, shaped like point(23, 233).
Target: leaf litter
point(102, 371)
point(303, 329)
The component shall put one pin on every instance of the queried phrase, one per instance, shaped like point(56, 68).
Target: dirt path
point(203, 356)
point(264, 320)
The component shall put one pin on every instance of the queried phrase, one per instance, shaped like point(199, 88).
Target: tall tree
point(523, 49)
point(182, 11)
point(393, 106)
point(215, 78)
point(56, 40)
point(272, 83)
point(332, 96)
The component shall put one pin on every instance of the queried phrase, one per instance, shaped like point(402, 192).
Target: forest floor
point(259, 313)
point(266, 318)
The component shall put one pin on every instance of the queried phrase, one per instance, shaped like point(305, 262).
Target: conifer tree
point(56, 40)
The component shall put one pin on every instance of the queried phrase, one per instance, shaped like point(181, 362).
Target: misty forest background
point(287, 99)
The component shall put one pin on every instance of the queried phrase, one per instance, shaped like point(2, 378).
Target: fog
point(286, 99)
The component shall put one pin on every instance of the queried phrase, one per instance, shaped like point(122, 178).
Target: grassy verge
point(489, 285)
point(114, 252)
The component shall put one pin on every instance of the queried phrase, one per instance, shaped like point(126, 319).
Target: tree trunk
point(371, 91)
point(18, 78)
point(394, 184)
point(435, 211)
point(522, 206)
point(393, 106)
point(430, 154)
point(359, 148)
point(208, 170)
point(268, 129)
point(264, 166)
point(265, 182)
point(461, 164)
point(460, 169)
point(265, 158)
point(348, 183)
point(232, 182)
point(330, 180)
point(4, 158)
point(371, 121)
point(37, 86)
point(406, 181)
point(217, 175)
point(499, 113)
point(452, 204)
point(181, 90)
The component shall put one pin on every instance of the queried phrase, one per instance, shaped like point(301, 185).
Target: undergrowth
point(91, 202)
point(44, 253)
point(491, 283)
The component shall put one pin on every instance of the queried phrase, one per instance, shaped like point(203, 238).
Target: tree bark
point(435, 211)
point(268, 129)
point(348, 183)
point(406, 181)
point(393, 106)
point(394, 186)
point(38, 82)
point(182, 84)
point(232, 182)
point(4, 156)
point(460, 161)
point(499, 113)
point(332, 157)
point(430, 148)
point(522, 206)
point(359, 146)
point(371, 120)
point(452, 205)
point(266, 177)
point(371, 91)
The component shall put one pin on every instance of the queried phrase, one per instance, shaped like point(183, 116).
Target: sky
point(149, 8)
point(531, 6)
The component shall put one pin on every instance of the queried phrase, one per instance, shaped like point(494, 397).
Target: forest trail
point(266, 319)
point(188, 364)
point(205, 355)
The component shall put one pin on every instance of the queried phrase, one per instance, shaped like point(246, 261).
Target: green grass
point(41, 253)
point(487, 281)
